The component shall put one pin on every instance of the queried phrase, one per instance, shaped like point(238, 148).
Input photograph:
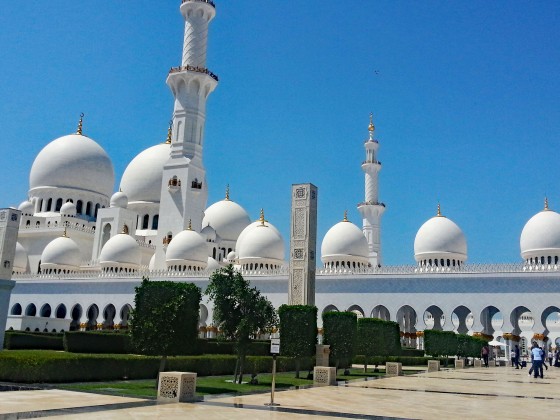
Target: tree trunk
point(241, 365)
point(162, 364)
point(236, 368)
point(298, 363)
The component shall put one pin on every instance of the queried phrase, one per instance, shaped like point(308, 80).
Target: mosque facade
point(82, 248)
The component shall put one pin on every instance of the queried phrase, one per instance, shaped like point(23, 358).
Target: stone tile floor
point(493, 393)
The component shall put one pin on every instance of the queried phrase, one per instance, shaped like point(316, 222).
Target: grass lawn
point(209, 385)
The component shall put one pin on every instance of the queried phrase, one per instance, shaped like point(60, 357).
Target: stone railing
point(211, 3)
point(79, 227)
point(195, 69)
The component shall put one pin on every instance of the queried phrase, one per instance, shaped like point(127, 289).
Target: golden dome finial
point(546, 203)
point(64, 235)
point(80, 124)
point(345, 219)
point(190, 225)
point(169, 132)
point(227, 192)
point(261, 218)
point(438, 210)
point(125, 229)
point(371, 127)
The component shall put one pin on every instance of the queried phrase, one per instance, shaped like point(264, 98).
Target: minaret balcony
point(371, 203)
point(370, 163)
point(211, 3)
point(196, 69)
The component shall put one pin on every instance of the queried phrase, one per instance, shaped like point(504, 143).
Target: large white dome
point(142, 178)
point(26, 208)
point(260, 243)
point(440, 239)
point(227, 218)
point(343, 243)
point(75, 162)
point(187, 249)
point(61, 253)
point(121, 251)
point(541, 236)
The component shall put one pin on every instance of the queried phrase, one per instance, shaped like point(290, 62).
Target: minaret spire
point(371, 209)
point(191, 83)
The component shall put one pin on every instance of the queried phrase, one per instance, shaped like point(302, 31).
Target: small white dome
point(119, 199)
point(212, 265)
point(232, 256)
point(343, 243)
point(61, 253)
point(68, 209)
point(440, 238)
point(152, 263)
point(141, 180)
point(541, 236)
point(20, 259)
point(209, 233)
point(75, 162)
point(227, 218)
point(26, 208)
point(260, 243)
point(121, 251)
point(187, 248)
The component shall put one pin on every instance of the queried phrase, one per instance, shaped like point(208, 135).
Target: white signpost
point(275, 351)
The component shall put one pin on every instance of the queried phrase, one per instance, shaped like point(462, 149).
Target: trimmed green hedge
point(406, 361)
point(34, 366)
point(18, 340)
point(412, 353)
point(97, 342)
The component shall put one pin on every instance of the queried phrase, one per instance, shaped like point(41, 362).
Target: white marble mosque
point(82, 248)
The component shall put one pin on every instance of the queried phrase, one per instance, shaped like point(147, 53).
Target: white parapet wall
point(6, 287)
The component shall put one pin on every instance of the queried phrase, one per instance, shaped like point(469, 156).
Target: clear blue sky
point(466, 98)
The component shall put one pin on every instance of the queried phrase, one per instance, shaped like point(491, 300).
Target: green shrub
point(340, 333)
point(34, 366)
point(412, 353)
point(405, 360)
point(17, 340)
point(97, 342)
point(213, 346)
point(298, 331)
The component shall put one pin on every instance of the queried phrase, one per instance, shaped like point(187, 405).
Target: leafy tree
point(377, 337)
point(298, 331)
point(165, 318)
point(340, 333)
point(239, 310)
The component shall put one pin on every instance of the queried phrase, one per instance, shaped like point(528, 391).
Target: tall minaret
point(184, 192)
point(371, 209)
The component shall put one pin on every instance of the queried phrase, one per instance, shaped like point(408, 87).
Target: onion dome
point(209, 233)
point(27, 208)
point(540, 238)
point(227, 218)
point(68, 209)
point(231, 257)
point(20, 259)
point(440, 242)
point(61, 254)
point(120, 252)
point(344, 246)
point(260, 246)
point(212, 265)
point(142, 178)
point(74, 162)
point(119, 199)
point(187, 251)
point(152, 263)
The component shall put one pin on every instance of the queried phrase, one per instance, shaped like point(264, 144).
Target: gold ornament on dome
point(371, 127)
point(227, 192)
point(80, 124)
point(169, 132)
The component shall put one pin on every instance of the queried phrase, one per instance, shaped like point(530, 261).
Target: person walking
point(484, 353)
point(543, 355)
point(550, 356)
point(517, 354)
point(537, 353)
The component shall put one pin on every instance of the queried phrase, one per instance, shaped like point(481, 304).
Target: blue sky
point(465, 97)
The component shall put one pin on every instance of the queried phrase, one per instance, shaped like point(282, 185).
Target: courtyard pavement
point(484, 393)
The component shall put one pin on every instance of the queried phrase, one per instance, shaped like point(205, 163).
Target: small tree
point(298, 331)
point(377, 337)
point(239, 310)
point(164, 320)
point(340, 333)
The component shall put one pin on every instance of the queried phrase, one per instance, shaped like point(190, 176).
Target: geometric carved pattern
point(324, 375)
point(393, 369)
point(298, 254)
point(177, 386)
point(299, 223)
point(433, 365)
point(459, 364)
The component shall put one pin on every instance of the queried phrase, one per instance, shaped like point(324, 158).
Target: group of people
point(538, 360)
